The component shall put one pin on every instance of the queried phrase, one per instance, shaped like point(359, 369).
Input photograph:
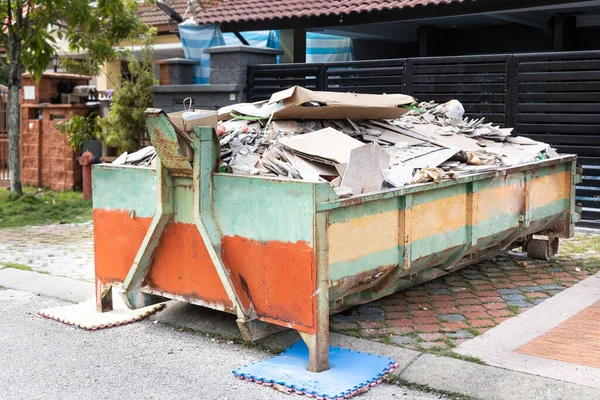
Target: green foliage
point(79, 130)
point(30, 31)
point(96, 29)
point(40, 207)
point(125, 123)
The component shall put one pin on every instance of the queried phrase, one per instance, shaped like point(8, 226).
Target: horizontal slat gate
point(479, 83)
point(559, 103)
point(551, 97)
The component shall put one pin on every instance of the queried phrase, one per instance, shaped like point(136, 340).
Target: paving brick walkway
point(441, 314)
point(435, 316)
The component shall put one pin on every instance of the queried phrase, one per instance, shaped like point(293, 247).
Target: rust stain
point(245, 287)
point(280, 277)
point(361, 281)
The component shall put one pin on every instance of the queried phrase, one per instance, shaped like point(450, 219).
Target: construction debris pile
point(145, 157)
point(429, 142)
point(363, 143)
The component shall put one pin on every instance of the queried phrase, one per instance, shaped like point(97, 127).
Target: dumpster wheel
point(542, 249)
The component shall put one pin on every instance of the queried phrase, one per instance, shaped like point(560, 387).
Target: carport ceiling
point(587, 14)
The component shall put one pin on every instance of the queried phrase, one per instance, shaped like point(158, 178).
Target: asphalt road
point(42, 359)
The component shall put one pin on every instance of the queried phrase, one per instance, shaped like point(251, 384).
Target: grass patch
point(42, 207)
point(18, 266)
point(452, 354)
point(396, 380)
point(23, 268)
point(579, 245)
point(512, 308)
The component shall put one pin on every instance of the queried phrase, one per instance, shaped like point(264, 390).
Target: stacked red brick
point(47, 159)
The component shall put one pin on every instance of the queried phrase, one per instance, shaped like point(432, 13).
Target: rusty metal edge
point(418, 188)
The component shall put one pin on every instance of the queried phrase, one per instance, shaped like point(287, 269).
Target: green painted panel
point(438, 243)
point(264, 209)
point(551, 209)
point(516, 179)
point(498, 223)
point(554, 169)
point(184, 199)
point(346, 269)
point(124, 188)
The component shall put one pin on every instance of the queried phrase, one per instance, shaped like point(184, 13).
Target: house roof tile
point(232, 11)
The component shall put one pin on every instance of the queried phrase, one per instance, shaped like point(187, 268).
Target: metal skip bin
point(283, 253)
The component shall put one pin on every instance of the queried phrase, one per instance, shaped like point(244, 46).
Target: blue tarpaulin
point(195, 39)
point(319, 47)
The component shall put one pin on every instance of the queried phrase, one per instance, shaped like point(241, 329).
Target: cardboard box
point(186, 121)
point(301, 103)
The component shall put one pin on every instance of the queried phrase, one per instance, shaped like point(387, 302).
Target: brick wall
point(47, 158)
point(46, 90)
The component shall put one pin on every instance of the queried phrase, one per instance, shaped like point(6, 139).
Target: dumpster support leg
point(143, 259)
point(206, 153)
point(318, 343)
point(104, 300)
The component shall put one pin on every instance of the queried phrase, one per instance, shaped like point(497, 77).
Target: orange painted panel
point(279, 277)
point(117, 238)
point(183, 266)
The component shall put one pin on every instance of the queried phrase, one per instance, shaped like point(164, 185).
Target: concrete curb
point(440, 374)
point(67, 289)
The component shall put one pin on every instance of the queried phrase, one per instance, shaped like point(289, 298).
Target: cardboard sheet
point(311, 170)
point(326, 145)
point(301, 103)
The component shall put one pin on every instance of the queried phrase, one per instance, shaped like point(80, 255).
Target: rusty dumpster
point(283, 253)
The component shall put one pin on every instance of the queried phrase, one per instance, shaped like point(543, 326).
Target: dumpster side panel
point(182, 266)
point(117, 237)
point(122, 214)
point(378, 246)
point(267, 245)
point(124, 204)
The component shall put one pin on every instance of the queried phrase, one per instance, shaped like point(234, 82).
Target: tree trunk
point(15, 81)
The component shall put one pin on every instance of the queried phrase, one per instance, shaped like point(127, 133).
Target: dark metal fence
point(4, 176)
point(552, 97)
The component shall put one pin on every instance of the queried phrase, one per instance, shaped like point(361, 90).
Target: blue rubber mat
point(349, 373)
